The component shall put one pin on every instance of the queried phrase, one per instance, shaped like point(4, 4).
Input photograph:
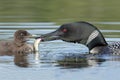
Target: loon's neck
point(96, 42)
point(19, 43)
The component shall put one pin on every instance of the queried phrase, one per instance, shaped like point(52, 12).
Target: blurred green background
point(60, 11)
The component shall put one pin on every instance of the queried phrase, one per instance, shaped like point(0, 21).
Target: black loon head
point(77, 32)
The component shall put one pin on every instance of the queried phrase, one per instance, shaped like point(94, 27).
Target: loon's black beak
point(56, 35)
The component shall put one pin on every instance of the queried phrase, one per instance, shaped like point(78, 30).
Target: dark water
point(52, 64)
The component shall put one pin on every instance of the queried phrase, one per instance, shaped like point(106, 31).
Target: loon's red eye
point(64, 30)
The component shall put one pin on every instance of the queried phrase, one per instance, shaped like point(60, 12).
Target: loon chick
point(24, 60)
point(18, 45)
point(84, 33)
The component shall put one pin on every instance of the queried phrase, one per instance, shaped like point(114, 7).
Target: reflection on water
point(21, 60)
point(83, 62)
point(57, 57)
point(26, 59)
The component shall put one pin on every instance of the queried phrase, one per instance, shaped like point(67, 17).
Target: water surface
point(52, 64)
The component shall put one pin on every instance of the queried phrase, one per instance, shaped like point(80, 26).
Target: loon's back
point(114, 48)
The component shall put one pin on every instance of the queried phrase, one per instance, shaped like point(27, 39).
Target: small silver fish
point(36, 44)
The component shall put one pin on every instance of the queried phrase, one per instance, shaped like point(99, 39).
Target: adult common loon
point(84, 33)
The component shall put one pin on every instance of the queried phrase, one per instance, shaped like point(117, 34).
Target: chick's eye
point(64, 30)
point(21, 34)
